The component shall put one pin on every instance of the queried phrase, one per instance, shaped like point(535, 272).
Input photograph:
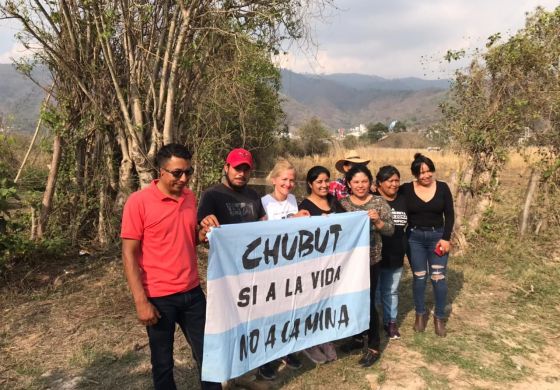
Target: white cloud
point(408, 38)
point(395, 38)
point(15, 52)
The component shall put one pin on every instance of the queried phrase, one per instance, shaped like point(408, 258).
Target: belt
point(426, 228)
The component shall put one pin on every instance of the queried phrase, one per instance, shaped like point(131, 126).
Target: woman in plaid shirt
point(358, 181)
point(338, 187)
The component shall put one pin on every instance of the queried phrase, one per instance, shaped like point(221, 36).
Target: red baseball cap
point(239, 156)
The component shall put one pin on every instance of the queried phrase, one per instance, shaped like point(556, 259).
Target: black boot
point(369, 358)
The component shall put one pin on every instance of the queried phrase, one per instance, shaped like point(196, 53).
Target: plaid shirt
point(338, 188)
point(382, 207)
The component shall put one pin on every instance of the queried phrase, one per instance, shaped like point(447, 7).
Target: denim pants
point(188, 310)
point(425, 263)
point(389, 280)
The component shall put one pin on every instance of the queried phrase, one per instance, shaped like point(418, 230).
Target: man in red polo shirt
point(158, 247)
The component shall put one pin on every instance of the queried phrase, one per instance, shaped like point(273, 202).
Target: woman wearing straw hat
point(338, 187)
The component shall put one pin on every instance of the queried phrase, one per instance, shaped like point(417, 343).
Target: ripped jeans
point(426, 264)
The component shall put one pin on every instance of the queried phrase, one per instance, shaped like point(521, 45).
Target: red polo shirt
point(166, 229)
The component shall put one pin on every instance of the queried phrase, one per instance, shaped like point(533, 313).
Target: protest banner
point(276, 287)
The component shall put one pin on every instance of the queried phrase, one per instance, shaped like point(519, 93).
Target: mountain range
point(346, 100)
point(20, 99)
point(338, 100)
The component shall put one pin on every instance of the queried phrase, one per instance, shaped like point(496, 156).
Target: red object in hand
point(438, 251)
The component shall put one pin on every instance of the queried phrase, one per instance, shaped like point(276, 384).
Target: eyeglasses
point(178, 173)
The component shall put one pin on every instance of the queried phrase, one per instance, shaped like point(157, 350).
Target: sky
point(387, 38)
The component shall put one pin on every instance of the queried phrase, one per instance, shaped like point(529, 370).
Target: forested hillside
point(20, 99)
point(339, 100)
point(346, 100)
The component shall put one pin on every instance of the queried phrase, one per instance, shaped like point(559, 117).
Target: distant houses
point(353, 131)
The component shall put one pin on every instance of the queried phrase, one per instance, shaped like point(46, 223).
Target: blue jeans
point(389, 280)
point(188, 309)
point(424, 262)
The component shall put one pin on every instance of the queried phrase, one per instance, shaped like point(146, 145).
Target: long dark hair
point(314, 173)
point(420, 159)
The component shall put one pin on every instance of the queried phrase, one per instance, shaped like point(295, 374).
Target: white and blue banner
point(276, 287)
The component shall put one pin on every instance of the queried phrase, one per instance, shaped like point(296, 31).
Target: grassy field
point(69, 323)
point(446, 161)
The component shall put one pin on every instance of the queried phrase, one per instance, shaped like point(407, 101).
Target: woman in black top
point(388, 180)
point(320, 202)
point(430, 222)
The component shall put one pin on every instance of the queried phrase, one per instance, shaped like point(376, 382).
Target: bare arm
point(382, 218)
point(146, 312)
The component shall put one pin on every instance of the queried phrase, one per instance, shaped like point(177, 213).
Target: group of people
point(161, 227)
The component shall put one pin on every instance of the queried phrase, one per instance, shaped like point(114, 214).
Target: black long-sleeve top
point(437, 212)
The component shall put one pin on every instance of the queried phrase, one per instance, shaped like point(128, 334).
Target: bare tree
point(132, 71)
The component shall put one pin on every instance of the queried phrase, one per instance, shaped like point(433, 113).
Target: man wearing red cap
point(232, 201)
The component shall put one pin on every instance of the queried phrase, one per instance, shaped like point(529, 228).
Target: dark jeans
point(373, 332)
point(187, 309)
point(425, 263)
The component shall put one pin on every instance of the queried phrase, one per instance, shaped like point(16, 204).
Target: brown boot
point(439, 325)
point(420, 322)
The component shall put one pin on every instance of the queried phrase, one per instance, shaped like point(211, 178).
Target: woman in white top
point(280, 204)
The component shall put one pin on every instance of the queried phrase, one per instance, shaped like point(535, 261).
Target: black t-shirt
point(334, 206)
point(230, 206)
point(394, 247)
point(437, 212)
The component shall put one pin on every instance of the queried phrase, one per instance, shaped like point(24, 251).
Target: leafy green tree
point(314, 136)
point(510, 88)
point(376, 131)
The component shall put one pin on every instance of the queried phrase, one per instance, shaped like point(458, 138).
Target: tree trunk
point(462, 200)
point(484, 185)
point(20, 170)
point(102, 227)
point(33, 225)
point(48, 196)
point(483, 202)
point(126, 168)
point(532, 186)
point(464, 194)
point(453, 187)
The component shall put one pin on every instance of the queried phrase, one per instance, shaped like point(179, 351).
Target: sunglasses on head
point(178, 173)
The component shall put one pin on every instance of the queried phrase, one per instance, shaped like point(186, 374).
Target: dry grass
point(447, 162)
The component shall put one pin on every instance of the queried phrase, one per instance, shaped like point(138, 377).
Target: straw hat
point(352, 157)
